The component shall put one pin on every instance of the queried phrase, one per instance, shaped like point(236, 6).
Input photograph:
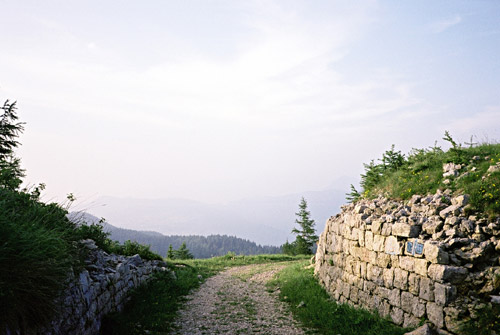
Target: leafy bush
point(130, 248)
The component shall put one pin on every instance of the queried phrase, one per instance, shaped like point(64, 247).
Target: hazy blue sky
point(221, 100)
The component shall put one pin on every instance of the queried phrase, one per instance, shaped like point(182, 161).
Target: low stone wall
point(408, 261)
point(102, 287)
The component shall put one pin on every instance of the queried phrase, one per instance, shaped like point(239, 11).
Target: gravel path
point(236, 301)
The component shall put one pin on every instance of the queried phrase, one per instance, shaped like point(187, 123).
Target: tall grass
point(311, 304)
point(37, 250)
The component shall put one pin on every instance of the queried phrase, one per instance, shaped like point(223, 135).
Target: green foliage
point(353, 195)
point(170, 252)
point(183, 252)
point(38, 248)
point(421, 172)
point(131, 248)
point(10, 166)
point(312, 305)
point(306, 233)
point(95, 232)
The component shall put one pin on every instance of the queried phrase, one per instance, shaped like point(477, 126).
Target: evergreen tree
point(306, 234)
point(183, 252)
point(170, 252)
point(10, 166)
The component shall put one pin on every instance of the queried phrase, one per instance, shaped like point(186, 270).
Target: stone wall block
point(395, 297)
point(444, 294)
point(406, 230)
point(384, 309)
point(410, 321)
point(383, 260)
point(401, 279)
point(447, 273)
point(413, 283)
point(393, 246)
point(388, 276)
point(419, 308)
point(378, 243)
point(421, 267)
point(369, 240)
point(377, 227)
point(397, 315)
point(407, 263)
point(435, 314)
point(434, 252)
point(408, 300)
point(386, 229)
point(426, 291)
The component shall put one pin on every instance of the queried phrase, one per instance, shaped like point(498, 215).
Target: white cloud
point(444, 24)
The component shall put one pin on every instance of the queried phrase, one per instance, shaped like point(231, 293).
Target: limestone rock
point(435, 314)
point(424, 330)
point(406, 230)
point(447, 273)
point(393, 246)
point(434, 252)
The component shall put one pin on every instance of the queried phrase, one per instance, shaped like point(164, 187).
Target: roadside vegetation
point(153, 307)
point(311, 305)
point(400, 176)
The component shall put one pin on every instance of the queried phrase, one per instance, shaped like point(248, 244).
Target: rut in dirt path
point(236, 301)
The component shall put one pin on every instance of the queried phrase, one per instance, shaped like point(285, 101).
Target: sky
point(220, 100)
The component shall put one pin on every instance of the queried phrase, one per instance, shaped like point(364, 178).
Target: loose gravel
point(236, 301)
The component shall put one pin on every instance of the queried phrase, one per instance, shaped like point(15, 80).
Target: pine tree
point(183, 252)
point(170, 252)
point(10, 166)
point(306, 234)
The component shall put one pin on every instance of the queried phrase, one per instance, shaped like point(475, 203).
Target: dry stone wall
point(422, 259)
point(102, 287)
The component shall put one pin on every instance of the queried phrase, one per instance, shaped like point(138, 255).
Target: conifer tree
point(170, 252)
point(10, 166)
point(306, 233)
point(183, 252)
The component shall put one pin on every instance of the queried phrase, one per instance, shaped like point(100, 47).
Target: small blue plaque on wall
point(419, 248)
point(414, 248)
point(409, 247)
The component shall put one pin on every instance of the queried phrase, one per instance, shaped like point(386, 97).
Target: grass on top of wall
point(400, 176)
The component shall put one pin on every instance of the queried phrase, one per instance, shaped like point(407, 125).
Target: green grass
point(421, 172)
point(153, 307)
point(311, 304)
point(38, 248)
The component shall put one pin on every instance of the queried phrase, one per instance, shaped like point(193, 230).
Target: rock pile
point(422, 259)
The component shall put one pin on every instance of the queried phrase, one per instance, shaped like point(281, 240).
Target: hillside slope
point(199, 246)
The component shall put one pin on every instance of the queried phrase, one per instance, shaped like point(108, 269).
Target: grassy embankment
point(39, 246)
point(153, 307)
point(399, 176)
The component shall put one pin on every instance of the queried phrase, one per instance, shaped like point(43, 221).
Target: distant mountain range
point(265, 220)
point(199, 246)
